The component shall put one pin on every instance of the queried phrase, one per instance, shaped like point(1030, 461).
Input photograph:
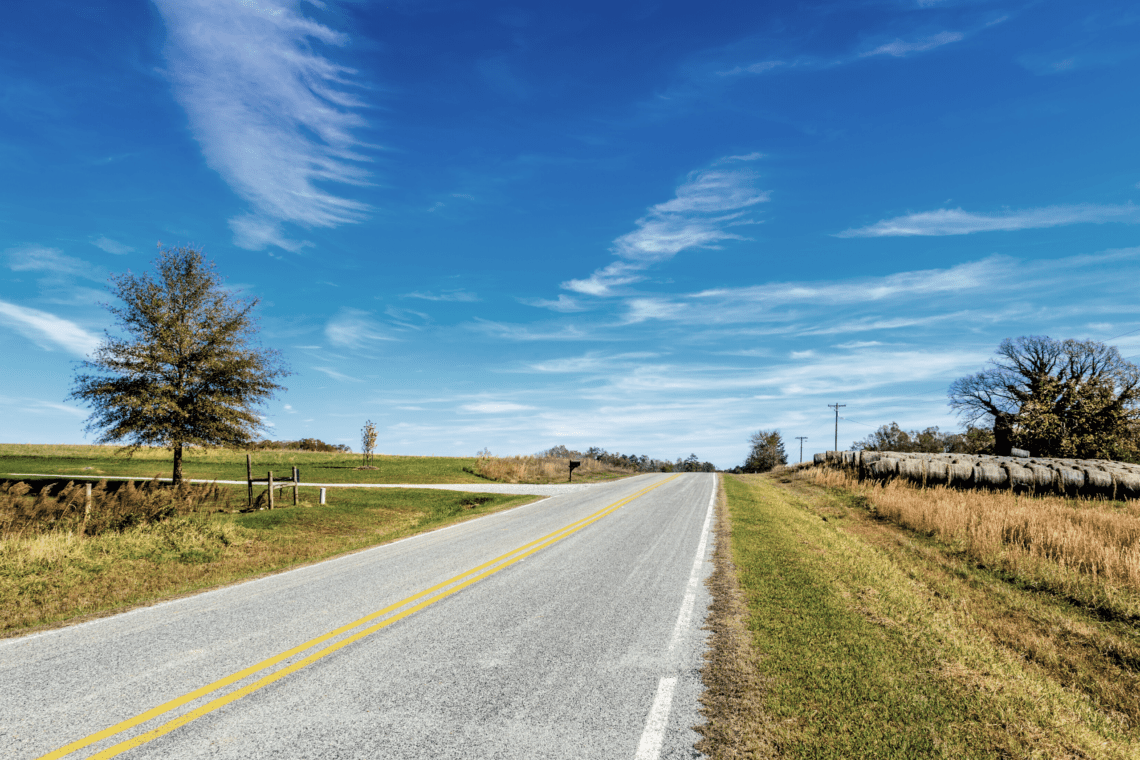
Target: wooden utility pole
point(836, 407)
point(801, 439)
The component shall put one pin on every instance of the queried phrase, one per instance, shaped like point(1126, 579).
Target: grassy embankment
point(135, 548)
point(882, 622)
point(316, 467)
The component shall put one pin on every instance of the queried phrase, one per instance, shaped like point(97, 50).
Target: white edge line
point(654, 734)
point(686, 612)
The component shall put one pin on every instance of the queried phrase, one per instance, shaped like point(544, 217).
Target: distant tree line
point(638, 463)
point(305, 444)
point(974, 440)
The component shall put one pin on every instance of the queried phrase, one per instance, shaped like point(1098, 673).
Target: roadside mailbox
point(573, 465)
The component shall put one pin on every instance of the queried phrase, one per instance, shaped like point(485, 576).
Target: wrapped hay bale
point(990, 475)
point(1044, 479)
point(961, 474)
point(937, 473)
point(1127, 484)
point(1098, 482)
point(912, 469)
point(1020, 477)
point(884, 467)
point(1071, 481)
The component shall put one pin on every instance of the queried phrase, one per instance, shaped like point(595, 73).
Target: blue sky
point(653, 228)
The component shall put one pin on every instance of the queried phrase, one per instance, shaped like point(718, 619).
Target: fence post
point(296, 483)
point(249, 480)
point(323, 495)
point(270, 479)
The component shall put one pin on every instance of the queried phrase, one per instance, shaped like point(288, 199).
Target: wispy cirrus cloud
point(338, 375)
point(901, 48)
point(959, 222)
point(47, 330)
point(354, 328)
point(707, 207)
point(111, 246)
point(564, 304)
point(495, 407)
point(446, 295)
point(37, 258)
point(273, 117)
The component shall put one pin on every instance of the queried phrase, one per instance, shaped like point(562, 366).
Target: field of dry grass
point(1087, 550)
point(543, 470)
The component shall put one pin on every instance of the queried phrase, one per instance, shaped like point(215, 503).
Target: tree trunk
point(177, 477)
point(1003, 436)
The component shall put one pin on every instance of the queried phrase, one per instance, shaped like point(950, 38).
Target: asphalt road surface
point(567, 628)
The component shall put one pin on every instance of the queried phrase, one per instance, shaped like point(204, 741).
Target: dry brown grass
point(1088, 550)
point(542, 470)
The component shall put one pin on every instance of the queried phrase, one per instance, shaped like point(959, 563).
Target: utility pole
point(801, 439)
point(836, 407)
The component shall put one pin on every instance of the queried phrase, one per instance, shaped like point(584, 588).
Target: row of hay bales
point(1085, 477)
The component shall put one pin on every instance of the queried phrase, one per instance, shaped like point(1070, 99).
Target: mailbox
point(573, 465)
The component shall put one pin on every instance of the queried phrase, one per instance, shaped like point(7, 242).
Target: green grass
point(56, 577)
point(222, 464)
point(859, 659)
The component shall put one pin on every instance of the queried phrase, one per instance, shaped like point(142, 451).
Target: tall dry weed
point(111, 509)
point(1087, 549)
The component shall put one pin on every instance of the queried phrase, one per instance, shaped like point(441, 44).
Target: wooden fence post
point(270, 479)
point(323, 495)
point(249, 479)
point(296, 483)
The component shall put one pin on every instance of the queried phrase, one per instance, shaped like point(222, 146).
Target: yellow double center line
point(449, 587)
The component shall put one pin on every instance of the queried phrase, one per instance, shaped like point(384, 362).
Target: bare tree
point(188, 371)
point(368, 441)
point(1055, 398)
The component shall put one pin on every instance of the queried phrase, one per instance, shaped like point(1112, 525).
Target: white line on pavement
point(654, 733)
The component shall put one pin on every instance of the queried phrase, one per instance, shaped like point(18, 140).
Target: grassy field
point(864, 638)
point(224, 464)
point(316, 467)
point(55, 575)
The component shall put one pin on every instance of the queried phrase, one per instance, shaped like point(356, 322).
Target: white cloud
point(354, 328)
point(706, 206)
point(851, 344)
point(447, 295)
point(111, 246)
point(273, 117)
point(338, 375)
point(899, 48)
point(495, 407)
point(37, 258)
point(959, 222)
point(48, 330)
point(525, 333)
point(754, 68)
point(564, 303)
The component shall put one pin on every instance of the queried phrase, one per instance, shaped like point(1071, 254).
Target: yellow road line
point(506, 560)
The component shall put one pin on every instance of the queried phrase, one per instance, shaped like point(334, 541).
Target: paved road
point(583, 644)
